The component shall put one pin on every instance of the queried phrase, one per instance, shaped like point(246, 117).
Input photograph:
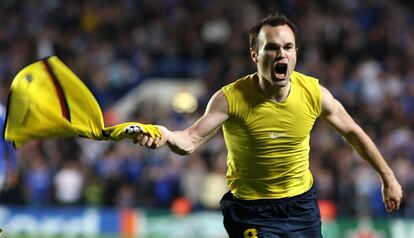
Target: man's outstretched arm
point(188, 140)
point(335, 114)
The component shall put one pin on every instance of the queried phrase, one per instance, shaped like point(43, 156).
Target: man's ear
point(253, 55)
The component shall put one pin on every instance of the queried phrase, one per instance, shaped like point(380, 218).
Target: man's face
point(276, 54)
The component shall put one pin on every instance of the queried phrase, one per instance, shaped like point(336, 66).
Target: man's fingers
point(392, 205)
point(144, 140)
point(138, 138)
point(395, 204)
point(156, 142)
point(149, 142)
point(388, 206)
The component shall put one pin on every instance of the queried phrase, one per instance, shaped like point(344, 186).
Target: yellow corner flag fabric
point(48, 100)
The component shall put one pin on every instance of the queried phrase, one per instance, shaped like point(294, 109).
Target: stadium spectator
point(8, 165)
point(68, 184)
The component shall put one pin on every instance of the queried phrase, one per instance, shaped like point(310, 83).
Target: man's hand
point(391, 194)
point(147, 140)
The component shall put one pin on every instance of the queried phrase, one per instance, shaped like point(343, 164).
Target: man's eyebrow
point(272, 44)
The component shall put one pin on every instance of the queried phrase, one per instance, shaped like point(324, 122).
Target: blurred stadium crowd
point(362, 50)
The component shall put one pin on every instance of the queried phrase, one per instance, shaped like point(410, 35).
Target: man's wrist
point(387, 177)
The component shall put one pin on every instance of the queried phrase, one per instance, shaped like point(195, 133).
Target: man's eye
point(270, 48)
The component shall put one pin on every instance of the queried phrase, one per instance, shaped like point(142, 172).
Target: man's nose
point(280, 53)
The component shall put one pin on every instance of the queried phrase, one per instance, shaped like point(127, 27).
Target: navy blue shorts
point(295, 217)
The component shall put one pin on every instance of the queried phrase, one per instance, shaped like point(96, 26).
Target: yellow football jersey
point(268, 142)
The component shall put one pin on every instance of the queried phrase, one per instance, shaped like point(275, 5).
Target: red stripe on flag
point(59, 91)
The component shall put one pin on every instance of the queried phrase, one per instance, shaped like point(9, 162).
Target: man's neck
point(271, 91)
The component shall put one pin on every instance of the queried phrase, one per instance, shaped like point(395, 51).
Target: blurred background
point(159, 62)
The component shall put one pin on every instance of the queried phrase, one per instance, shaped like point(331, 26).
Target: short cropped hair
point(271, 20)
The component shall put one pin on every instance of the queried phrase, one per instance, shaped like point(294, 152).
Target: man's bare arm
point(335, 114)
point(188, 140)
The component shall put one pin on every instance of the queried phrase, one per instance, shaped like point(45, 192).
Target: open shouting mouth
point(281, 70)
